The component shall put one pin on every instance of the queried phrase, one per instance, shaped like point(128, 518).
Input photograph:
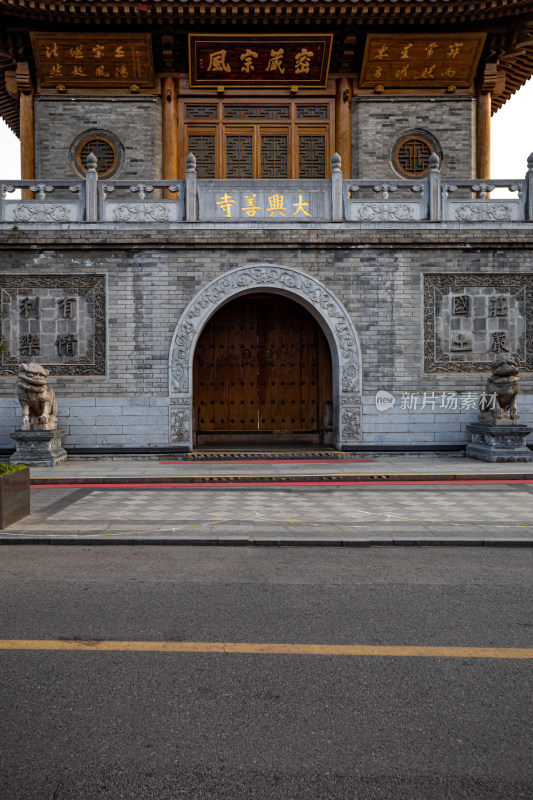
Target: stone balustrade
point(363, 202)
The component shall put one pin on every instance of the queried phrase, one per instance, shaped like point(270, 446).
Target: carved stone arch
point(296, 285)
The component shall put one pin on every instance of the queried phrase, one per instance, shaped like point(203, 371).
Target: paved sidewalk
point(380, 467)
point(426, 512)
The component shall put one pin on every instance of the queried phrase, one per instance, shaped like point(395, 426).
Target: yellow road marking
point(268, 649)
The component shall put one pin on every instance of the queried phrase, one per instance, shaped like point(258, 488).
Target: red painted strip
point(276, 461)
point(268, 483)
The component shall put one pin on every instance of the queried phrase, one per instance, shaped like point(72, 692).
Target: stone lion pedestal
point(39, 448)
point(503, 442)
point(498, 435)
point(38, 442)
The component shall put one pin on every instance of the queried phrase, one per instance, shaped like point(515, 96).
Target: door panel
point(262, 364)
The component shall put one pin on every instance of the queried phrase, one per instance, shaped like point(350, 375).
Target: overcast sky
point(512, 140)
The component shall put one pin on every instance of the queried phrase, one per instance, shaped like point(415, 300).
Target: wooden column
point(25, 91)
point(170, 132)
point(343, 143)
point(483, 135)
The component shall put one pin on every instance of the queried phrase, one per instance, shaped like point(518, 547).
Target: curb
point(236, 480)
point(246, 541)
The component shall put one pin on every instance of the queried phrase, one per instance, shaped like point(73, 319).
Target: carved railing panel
point(142, 203)
point(54, 201)
point(480, 207)
point(380, 201)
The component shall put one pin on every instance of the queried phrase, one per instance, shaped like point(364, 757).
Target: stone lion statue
point(503, 384)
point(38, 401)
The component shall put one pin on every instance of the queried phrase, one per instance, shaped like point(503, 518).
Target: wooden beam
point(343, 144)
point(170, 132)
point(483, 135)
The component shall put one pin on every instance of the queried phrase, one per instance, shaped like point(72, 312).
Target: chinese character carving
point(119, 52)
point(299, 206)
point(29, 307)
point(276, 61)
point(67, 307)
point(121, 72)
point(405, 50)
point(225, 203)
point(250, 208)
point(275, 203)
point(461, 343)
point(498, 306)
point(247, 61)
point(217, 62)
point(302, 61)
point(100, 72)
point(56, 71)
point(66, 344)
point(76, 52)
point(382, 52)
point(52, 51)
point(402, 72)
point(98, 50)
point(77, 70)
point(461, 305)
point(30, 345)
point(430, 49)
point(499, 343)
point(453, 49)
point(427, 72)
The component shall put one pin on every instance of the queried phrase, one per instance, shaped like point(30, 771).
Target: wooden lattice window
point(105, 152)
point(312, 156)
point(274, 156)
point(203, 147)
point(271, 138)
point(411, 156)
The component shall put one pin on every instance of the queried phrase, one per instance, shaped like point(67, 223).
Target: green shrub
point(5, 469)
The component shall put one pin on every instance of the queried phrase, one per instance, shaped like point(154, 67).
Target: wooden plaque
point(234, 60)
point(91, 59)
point(432, 60)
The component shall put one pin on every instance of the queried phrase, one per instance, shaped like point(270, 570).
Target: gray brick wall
point(136, 122)
point(378, 122)
point(153, 274)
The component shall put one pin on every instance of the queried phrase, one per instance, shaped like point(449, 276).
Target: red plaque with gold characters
point(269, 60)
point(89, 59)
point(432, 60)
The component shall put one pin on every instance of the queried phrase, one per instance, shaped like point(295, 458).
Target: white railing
point(366, 202)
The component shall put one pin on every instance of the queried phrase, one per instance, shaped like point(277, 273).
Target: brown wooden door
point(262, 364)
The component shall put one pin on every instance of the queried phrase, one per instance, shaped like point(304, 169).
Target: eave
point(359, 15)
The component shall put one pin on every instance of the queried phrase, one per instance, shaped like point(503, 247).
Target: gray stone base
point(39, 448)
point(499, 442)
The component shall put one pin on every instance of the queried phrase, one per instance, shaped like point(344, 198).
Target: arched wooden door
point(262, 372)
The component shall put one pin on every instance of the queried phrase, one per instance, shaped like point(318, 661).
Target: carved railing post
point(434, 189)
point(91, 189)
point(336, 188)
point(529, 190)
point(191, 190)
point(4, 188)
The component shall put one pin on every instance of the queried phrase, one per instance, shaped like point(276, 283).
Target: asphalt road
point(79, 725)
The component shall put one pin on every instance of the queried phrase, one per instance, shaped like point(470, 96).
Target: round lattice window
point(411, 156)
point(105, 152)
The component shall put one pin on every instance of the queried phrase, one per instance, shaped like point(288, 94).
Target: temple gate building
point(265, 222)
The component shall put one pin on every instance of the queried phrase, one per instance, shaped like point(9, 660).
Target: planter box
point(14, 497)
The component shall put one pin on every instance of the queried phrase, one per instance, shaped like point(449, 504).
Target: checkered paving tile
point(464, 505)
